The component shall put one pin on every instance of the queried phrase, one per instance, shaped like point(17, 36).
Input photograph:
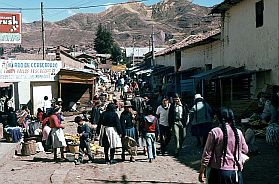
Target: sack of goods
point(130, 145)
point(272, 134)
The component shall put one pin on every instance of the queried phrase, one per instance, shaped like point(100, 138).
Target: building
point(136, 54)
point(250, 35)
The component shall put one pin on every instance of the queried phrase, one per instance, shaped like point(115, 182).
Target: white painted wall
point(24, 92)
point(41, 89)
point(250, 46)
point(166, 60)
point(38, 96)
point(199, 56)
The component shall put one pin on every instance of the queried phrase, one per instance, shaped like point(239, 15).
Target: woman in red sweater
point(57, 134)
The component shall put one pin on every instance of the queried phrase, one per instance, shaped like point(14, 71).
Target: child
point(151, 131)
point(83, 131)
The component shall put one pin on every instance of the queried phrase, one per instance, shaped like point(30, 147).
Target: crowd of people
point(143, 122)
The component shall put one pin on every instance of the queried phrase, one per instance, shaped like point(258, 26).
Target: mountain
point(170, 20)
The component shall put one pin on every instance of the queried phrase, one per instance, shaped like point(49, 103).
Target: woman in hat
point(110, 132)
point(127, 119)
point(201, 115)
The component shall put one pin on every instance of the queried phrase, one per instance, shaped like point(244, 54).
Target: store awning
point(164, 69)
point(241, 73)
point(213, 72)
point(144, 71)
point(81, 76)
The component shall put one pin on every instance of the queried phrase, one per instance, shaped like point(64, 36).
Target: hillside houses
point(231, 64)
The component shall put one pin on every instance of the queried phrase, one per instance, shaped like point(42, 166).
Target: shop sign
point(10, 27)
point(29, 70)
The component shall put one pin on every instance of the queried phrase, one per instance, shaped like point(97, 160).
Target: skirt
point(109, 138)
point(201, 129)
point(218, 176)
point(131, 133)
point(57, 137)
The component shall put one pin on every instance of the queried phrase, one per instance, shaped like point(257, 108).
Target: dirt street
point(40, 168)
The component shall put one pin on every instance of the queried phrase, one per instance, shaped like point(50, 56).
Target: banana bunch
point(94, 148)
point(74, 138)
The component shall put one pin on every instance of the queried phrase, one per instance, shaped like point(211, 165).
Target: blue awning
point(220, 70)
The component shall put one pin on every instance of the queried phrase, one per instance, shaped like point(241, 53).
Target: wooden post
point(231, 90)
point(221, 92)
point(60, 89)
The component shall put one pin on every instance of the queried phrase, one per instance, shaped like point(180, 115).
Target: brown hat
point(127, 104)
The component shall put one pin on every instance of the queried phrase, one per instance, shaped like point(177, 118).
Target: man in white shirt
point(162, 113)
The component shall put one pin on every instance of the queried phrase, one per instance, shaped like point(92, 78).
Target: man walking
point(177, 120)
point(162, 113)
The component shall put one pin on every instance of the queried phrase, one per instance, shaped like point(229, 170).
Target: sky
point(53, 15)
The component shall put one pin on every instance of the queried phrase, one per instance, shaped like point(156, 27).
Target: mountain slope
point(171, 20)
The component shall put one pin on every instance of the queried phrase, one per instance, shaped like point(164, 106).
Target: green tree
point(1, 51)
point(116, 53)
point(103, 42)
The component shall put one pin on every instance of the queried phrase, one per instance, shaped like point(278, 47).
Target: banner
point(10, 27)
point(29, 70)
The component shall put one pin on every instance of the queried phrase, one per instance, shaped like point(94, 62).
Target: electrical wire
point(55, 13)
point(73, 8)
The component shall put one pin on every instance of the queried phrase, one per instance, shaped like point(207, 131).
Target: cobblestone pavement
point(40, 168)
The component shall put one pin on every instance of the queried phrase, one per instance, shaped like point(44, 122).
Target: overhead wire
point(74, 7)
point(55, 13)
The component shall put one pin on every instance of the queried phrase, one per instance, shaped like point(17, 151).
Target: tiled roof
point(188, 42)
point(224, 6)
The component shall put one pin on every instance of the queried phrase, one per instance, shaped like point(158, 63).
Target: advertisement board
point(10, 27)
point(29, 70)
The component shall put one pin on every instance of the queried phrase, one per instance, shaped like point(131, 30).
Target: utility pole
point(133, 51)
point(43, 30)
point(153, 46)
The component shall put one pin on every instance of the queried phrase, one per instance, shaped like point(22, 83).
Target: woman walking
point(110, 132)
point(127, 119)
point(222, 153)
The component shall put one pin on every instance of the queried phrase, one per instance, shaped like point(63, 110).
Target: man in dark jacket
point(178, 119)
point(96, 113)
point(94, 118)
point(138, 106)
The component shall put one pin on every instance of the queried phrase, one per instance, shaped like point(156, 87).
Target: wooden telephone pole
point(43, 30)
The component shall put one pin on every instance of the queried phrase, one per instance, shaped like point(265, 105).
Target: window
point(259, 13)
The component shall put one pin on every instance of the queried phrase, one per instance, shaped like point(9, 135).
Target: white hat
point(198, 96)
point(59, 100)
